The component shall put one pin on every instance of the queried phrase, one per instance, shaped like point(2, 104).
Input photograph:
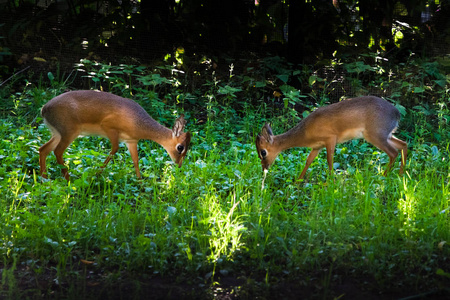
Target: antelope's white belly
point(95, 129)
point(350, 134)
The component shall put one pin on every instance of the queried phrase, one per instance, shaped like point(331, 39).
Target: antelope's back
point(92, 107)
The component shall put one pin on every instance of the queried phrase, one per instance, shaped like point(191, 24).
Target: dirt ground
point(88, 284)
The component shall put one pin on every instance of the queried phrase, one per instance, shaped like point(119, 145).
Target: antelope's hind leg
point(44, 151)
point(65, 141)
point(402, 147)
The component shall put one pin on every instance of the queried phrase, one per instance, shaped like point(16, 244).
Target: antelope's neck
point(294, 137)
point(152, 130)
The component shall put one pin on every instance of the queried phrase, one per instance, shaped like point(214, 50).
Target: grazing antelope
point(119, 119)
point(371, 118)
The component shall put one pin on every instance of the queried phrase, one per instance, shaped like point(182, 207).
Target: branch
point(23, 70)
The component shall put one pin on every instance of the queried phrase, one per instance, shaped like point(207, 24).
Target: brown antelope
point(119, 119)
point(371, 118)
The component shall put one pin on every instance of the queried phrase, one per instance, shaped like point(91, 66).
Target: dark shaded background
point(302, 31)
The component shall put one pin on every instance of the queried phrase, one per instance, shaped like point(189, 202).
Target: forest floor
point(137, 286)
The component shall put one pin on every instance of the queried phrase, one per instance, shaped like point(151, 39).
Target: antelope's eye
point(263, 153)
point(180, 148)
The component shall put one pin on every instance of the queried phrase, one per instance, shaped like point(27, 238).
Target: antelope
point(368, 117)
point(88, 112)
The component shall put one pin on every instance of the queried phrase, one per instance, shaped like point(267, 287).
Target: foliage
point(211, 219)
point(143, 29)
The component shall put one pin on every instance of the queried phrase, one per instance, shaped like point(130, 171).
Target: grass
point(211, 229)
point(211, 219)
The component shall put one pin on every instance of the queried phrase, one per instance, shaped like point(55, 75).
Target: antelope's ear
point(187, 139)
point(266, 133)
point(178, 128)
point(258, 140)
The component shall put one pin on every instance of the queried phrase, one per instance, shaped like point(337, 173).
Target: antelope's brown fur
point(90, 112)
point(371, 118)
